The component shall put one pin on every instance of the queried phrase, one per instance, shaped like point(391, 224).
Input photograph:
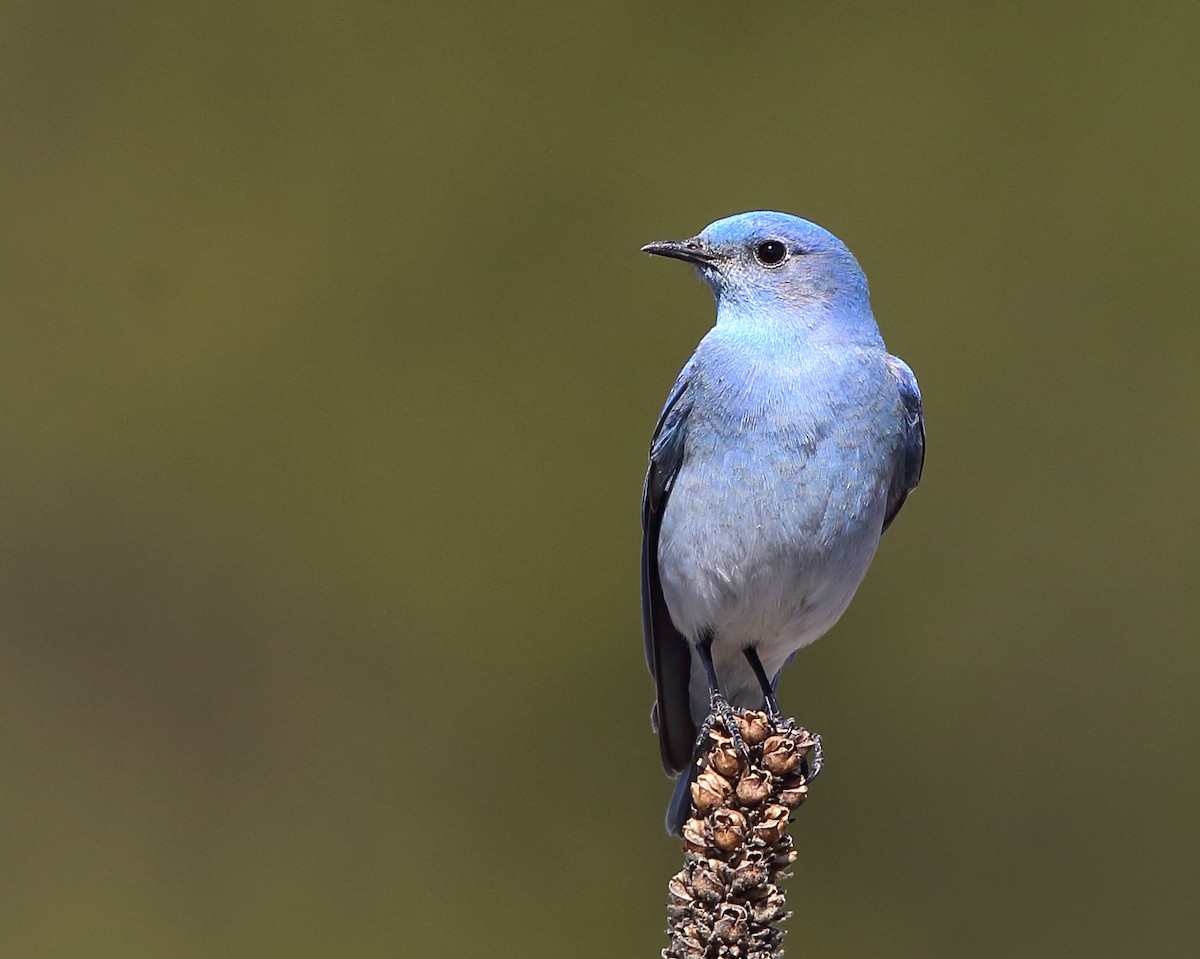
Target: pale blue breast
point(779, 503)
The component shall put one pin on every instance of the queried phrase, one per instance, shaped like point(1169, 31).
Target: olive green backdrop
point(327, 366)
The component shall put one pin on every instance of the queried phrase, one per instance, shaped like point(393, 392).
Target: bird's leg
point(765, 684)
point(814, 759)
point(718, 706)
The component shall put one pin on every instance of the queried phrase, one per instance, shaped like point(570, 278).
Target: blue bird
point(787, 446)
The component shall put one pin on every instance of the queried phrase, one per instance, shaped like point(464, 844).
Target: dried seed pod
point(722, 870)
point(768, 910)
point(804, 740)
point(764, 942)
point(731, 923)
point(708, 885)
point(772, 824)
point(793, 792)
point(749, 878)
point(754, 727)
point(679, 890)
point(729, 829)
point(710, 791)
point(693, 835)
point(780, 756)
point(724, 758)
point(695, 938)
point(753, 787)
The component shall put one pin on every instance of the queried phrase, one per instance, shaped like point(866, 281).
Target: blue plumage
point(787, 446)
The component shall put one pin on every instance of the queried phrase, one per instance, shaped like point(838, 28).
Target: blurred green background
point(327, 371)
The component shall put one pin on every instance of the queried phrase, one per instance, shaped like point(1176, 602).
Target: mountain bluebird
point(787, 446)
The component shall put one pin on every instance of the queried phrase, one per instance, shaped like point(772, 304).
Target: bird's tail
point(680, 807)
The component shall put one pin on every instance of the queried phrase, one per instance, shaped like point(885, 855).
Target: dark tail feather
point(679, 810)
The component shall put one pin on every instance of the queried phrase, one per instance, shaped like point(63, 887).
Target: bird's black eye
point(770, 253)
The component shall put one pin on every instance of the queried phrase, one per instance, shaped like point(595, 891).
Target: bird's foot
point(720, 711)
point(813, 757)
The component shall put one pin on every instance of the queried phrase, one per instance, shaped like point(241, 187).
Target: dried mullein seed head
point(780, 756)
point(726, 901)
point(754, 727)
point(729, 829)
point(724, 758)
point(753, 788)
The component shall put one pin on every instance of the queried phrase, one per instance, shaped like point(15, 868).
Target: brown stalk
point(726, 902)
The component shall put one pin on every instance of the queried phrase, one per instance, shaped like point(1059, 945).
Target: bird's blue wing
point(912, 449)
point(667, 651)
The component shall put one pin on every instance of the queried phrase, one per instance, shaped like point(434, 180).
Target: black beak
point(694, 250)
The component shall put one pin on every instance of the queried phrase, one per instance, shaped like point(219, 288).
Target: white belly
point(771, 569)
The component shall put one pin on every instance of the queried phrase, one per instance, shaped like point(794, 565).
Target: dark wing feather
point(667, 651)
point(912, 450)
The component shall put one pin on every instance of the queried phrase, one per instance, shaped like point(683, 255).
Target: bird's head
point(765, 260)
